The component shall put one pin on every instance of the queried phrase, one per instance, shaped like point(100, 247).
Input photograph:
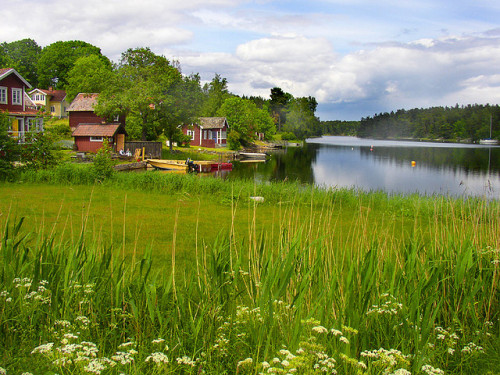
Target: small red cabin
point(208, 132)
point(89, 137)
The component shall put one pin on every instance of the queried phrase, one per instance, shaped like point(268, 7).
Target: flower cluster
point(389, 307)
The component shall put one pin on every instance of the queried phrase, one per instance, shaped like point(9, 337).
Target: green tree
point(148, 87)
point(23, 56)
point(88, 74)
point(245, 120)
point(301, 120)
point(102, 165)
point(57, 59)
point(278, 105)
point(38, 151)
point(216, 92)
point(9, 149)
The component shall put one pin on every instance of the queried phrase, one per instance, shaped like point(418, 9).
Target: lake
point(348, 162)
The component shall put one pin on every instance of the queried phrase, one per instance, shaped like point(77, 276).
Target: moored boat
point(489, 141)
point(168, 165)
point(253, 155)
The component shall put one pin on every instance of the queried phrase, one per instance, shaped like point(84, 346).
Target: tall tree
point(88, 74)
point(148, 87)
point(57, 59)
point(278, 105)
point(216, 92)
point(23, 56)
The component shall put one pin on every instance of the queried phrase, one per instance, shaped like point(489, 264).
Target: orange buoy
point(413, 163)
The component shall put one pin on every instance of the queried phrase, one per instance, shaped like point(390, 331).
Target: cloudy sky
point(357, 57)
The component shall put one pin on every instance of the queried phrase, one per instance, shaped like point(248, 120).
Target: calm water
point(448, 169)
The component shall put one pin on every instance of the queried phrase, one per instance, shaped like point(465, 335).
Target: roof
point(4, 72)
point(27, 112)
point(83, 102)
point(212, 122)
point(96, 130)
point(57, 95)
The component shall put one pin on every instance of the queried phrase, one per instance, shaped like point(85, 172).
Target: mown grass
point(320, 281)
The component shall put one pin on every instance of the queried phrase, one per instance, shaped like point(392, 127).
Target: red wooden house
point(208, 132)
point(89, 137)
point(13, 101)
point(89, 130)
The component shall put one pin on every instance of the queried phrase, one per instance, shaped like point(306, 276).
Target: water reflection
point(450, 169)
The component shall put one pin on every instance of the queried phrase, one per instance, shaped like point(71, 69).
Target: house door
point(120, 142)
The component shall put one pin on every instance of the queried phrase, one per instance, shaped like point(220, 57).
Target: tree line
point(154, 94)
point(459, 123)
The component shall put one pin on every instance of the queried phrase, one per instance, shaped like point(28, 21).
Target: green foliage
point(216, 92)
point(89, 74)
point(57, 59)
point(470, 123)
point(245, 120)
point(9, 149)
point(301, 120)
point(23, 56)
point(102, 165)
point(38, 151)
point(344, 128)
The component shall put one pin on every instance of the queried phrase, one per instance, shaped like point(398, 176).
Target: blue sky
point(357, 57)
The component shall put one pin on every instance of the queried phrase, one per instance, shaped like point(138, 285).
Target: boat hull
point(253, 155)
point(168, 165)
point(488, 142)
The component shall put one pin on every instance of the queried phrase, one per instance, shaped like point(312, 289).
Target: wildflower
point(451, 351)
point(185, 360)
point(158, 341)
point(285, 363)
point(429, 370)
point(401, 371)
point(335, 332)
point(3, 371)
point(265, 365)
point(319, 329)
point(158, 358)
point(27, 373)
point(246, 361)
point(94, 366)
point(42, 349)
point(344, 339)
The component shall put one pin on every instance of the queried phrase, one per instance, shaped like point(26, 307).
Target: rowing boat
point(168, 165)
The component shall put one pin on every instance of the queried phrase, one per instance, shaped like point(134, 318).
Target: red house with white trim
point(208, 132)
point(90, 130)
point(13, 101)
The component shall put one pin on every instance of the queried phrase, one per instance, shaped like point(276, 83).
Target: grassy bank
point(148, 273)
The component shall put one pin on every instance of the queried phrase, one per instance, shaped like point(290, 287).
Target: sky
point(356, 57)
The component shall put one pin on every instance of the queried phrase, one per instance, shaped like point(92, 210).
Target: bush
point(103, 164)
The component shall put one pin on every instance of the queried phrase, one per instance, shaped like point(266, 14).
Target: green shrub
point(103, 164)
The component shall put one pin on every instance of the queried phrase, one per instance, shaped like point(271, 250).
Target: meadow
point(147, 273)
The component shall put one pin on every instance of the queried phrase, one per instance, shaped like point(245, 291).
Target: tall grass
point(306, 293)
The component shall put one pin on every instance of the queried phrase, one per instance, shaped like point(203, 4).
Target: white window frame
point(96, 139)
point(52, 109)
point(191, 134)
point(17, 96)
point(3, 95)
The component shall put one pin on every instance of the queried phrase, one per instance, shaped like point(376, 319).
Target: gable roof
point(83, 102)
point(96, 130)
point(212, 122)
point(4, 72)
point(57, 95)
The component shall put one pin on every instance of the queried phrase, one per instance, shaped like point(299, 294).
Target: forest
point(156, 97)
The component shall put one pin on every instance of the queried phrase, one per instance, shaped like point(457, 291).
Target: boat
point(253, 155)
point(210, 166)
point(168, 165)
point(489, 141)
point(189, 165)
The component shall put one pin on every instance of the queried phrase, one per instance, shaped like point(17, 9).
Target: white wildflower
point(158, 358)
point(3, 371)
point(429, 370)
point(185, 360)
point(246, 361)
point(319, 329)
point(42, 349)
point(95, 366)
point(344, 339)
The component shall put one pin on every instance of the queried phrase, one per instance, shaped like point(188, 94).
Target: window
point(17, 96)
point(52, 109)
point(3, 95)
point(223, 134)
point(95, 139)
point(191, 134)
point(116, 118)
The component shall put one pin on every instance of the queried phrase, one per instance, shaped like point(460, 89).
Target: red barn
point(89, 137)
point(13, 101)
point(209, 132)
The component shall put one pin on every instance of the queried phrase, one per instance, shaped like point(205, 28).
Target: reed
point(338, 282)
